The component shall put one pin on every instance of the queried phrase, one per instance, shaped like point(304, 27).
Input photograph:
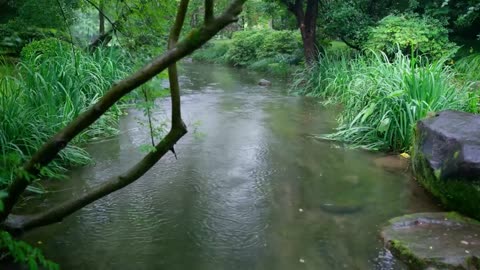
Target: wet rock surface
point(434, 240)
point(264, 82)
point(446, 159)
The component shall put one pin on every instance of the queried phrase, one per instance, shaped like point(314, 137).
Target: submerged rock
point(434, 241)
point(264, 82)
point(341, 209)
point(392, 163)
point(446, 159)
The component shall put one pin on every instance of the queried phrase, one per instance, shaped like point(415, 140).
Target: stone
point(341, 209)
point(392, 163)
point(264, 82)
point(446, 159)
point(434, 241)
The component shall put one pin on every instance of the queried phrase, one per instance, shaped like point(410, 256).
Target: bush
point(215, 51)
point(384, 99)
point(261, 50)
point(45, 48)
point(409, 32)
point(254, 45)
point(280, 42)
point(244, 47)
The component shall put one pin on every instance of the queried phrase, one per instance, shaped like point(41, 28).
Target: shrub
point(409, 32)
point(279, 42)
point(45, 48)
point(262, 50)
point(244, 47)
point(214, 51)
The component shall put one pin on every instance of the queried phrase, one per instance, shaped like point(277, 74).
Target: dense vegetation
point(52, 86)
point(383, 98)
point(386, 63)
point(261, 50)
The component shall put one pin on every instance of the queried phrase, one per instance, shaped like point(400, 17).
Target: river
point(251, 189)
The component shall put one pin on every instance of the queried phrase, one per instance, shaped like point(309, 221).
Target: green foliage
point(43, 13)
point(245, 45)
point(45, 48)
point(24, 253)
point(261, 50)
point(214, 51)
point(280, 42)
point(410, 33)
point(44, 96)
point(383, 99)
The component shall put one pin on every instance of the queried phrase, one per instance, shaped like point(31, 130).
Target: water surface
point(251, 189)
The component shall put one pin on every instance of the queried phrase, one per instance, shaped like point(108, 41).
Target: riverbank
point(384, 98)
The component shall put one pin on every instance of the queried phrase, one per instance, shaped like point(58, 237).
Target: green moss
point(455, 194)
point(455, 216)
point(402, 251)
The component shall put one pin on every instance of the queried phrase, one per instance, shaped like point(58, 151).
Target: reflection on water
point(255, 191)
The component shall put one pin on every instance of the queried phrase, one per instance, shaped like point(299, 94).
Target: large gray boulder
point(446, 159)
point(434, 241)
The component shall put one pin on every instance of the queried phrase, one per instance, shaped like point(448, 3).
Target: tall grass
point(45, 95)
point(382, 99)
point(469, 67)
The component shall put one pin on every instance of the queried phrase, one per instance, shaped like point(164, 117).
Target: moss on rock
point(462, 195)
point(455, 194)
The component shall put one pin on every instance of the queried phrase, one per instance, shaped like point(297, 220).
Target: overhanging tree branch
point(59, 141)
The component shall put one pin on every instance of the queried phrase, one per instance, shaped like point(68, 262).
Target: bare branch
point(20, 224)
point(59, 141)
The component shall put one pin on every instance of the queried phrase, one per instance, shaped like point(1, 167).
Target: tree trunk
point(309, 46)
point(101, 19)
point(307, 23)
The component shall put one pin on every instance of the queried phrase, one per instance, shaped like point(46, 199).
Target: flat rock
point(434, 241)
point(446, 159)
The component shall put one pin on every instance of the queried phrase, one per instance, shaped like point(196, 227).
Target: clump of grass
point(383, 99)
point(45, 95)
point(469, 67)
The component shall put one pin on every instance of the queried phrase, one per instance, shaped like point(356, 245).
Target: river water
point(251, 189)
